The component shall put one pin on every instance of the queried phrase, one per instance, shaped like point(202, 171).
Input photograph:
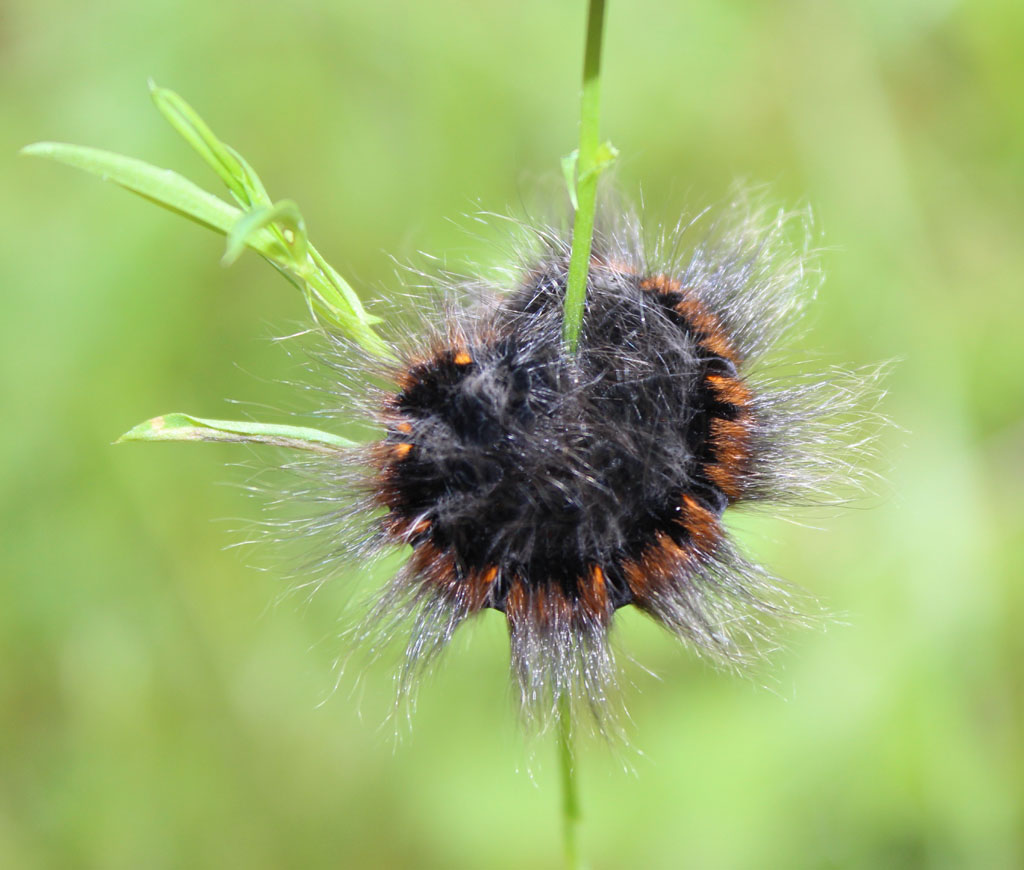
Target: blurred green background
point(157, 709)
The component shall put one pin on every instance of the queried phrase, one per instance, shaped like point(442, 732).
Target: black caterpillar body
point(559, 486)
point(533, 474)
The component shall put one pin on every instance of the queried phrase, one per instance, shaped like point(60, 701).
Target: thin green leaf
point(161, 186)
point(184, 427)
point(194, 130)
point(569, 171)
point(277, 232)
point(326, 291)
point(345, 296)
point(285, 212)
point(250, 180)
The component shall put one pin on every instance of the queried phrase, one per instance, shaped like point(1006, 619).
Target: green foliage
point(183, 427)
point(276, 231)
point(161, 186)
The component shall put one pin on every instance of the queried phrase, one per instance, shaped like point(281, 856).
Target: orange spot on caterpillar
point(730, 390)
point(701, 524)
point(435, 567)
point(404, 427)
point(594, 593)
point(462, 358)
point(480, 583)
point(403, 529)
point(635, 578)
point(660, 563)
point(402, 450)
point(731, 441)
point(710, 334)
point(660, 284)
point(516, 604)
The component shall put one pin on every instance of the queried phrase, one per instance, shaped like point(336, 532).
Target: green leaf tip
point(164, 187)
point(249, 225)
point(185, 427)
point(237, 176)
point(36, 149)
point(276, 231)
point(569, 171)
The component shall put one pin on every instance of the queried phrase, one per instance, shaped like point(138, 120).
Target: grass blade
point(161, 186)
point(275, 231)
point(195, 131)
point(184, 427)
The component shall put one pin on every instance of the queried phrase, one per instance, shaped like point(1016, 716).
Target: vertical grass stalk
point(589, 163)
point(570, 791)
point(588, 169)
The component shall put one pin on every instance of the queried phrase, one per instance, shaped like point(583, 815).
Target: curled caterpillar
point(557, 487)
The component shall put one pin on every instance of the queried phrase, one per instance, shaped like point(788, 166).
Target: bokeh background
point(160, 700)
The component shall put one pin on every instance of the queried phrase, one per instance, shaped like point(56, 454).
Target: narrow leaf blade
point(161, 186)
point(569, 171)
point(197, 133)
point(185, 427)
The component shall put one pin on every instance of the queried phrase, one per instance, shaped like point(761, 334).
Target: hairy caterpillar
point(558, 487)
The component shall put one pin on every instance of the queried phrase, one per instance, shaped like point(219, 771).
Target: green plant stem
point(587, 175)
point(570, 793)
